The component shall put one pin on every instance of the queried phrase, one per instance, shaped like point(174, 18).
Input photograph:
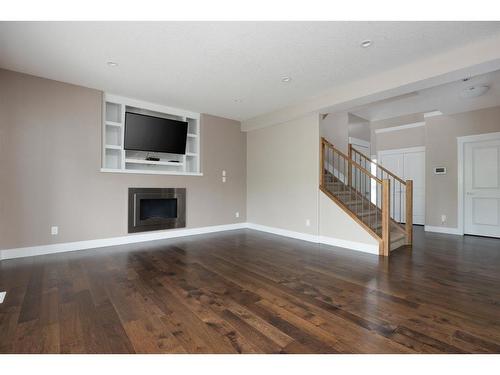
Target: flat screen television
point(154, 134)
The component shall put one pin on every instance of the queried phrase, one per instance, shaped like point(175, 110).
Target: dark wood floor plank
point(249, 292)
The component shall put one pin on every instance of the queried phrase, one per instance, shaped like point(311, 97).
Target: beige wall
point(283, 175)
point(405, 138)
point(50, 156)
point(335, 128)
point(336, 223)
point(359, 128)
point(441, 150)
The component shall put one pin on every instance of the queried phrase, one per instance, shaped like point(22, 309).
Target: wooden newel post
point(409, 212)
point(322, 163)
point(349, 173)
point(386, 217)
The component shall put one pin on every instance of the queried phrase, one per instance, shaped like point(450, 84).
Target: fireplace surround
point(156, 208)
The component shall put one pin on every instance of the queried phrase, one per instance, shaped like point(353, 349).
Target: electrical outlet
point(237, 214)
point(308, 223)
point(223, 178)
point(54, 230)
point(223, 173)
point(443, 219)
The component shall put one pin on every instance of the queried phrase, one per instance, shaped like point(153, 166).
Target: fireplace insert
point(156, 208)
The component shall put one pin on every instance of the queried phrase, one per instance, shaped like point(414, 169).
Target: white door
point(364, 149)
point(482, 188)
point(408, 164)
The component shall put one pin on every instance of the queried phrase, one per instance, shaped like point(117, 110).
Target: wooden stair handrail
point(409, 194)
point(349, 161)
point(378, 165)
point(385, 183)
point(386, 226)
point(409, 212)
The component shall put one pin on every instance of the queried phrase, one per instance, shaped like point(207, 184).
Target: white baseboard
point(446, 230)
point(284, 232)
point(161, 235)
point(351, 245)
point(133, 238)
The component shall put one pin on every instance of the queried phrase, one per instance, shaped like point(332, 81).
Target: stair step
point(367, 213)
point(397, 244)
point(370, 215)
point(397, 236)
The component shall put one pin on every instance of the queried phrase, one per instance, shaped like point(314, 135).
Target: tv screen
point(155, 134)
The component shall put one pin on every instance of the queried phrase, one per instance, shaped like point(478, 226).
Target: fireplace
point(155, 208)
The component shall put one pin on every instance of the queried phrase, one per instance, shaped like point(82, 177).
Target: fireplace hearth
point(156, 208)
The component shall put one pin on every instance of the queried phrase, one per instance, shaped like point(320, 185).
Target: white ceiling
point(231, 69)
point(445, 98)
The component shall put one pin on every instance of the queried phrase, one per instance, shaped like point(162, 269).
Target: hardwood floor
point(249, 292)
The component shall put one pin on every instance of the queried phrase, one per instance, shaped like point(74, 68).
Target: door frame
point(461, 142)
point(361, 142)
point(400, 150)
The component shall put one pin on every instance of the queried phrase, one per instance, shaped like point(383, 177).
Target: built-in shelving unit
point(118, 160)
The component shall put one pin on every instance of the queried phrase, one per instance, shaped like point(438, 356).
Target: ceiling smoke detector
point(474, 91)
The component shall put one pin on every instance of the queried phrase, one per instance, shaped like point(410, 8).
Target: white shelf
point(113, 147)
point(139, 171)
point(153, 162)
point(112, 123)
point(116, 159)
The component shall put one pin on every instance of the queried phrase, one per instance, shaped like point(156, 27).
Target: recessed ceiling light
point(366, 43)
point(112, 64)
point(286, 79)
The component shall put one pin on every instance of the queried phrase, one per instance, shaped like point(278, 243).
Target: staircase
point(378, 200)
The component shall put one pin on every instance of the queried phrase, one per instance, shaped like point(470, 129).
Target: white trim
point(161, 235)
point(351, 245)
point(134, 238)
point(2, 296)
point(360, 142)
point(141, 171)
point(433, 114)
point(284, 232)
point(400, 150)
point(400, 127)
point(461, 141)
point(447, 230)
